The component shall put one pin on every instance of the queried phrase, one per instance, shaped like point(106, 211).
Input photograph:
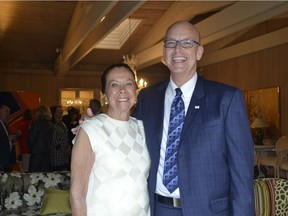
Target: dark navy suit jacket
point(215, 155)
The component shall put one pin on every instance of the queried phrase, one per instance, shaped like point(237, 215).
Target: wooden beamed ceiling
point(31, 31)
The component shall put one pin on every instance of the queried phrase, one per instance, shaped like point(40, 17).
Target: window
point(78, 98)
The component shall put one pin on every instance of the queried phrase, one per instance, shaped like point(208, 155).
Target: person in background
point(94, 108)
point(202, 151)
point(66, 118)
point(60, 152)
point(24, 128)
point(7, 138)
point(40, 140)
point(73, 122)
point(110, 161)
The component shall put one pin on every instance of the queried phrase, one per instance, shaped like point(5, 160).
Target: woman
point(40, 138)
point(60, 153)
point(110, 161)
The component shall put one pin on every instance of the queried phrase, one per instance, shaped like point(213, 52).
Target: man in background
point(94, 107)
point(7, 145)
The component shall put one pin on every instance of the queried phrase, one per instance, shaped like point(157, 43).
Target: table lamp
point(259, 124)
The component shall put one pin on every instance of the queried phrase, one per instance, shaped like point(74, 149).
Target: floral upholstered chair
point(34, 194)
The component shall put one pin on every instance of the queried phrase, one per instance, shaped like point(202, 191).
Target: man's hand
point(83, 119)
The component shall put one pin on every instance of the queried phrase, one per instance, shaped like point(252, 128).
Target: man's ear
point(199, 53)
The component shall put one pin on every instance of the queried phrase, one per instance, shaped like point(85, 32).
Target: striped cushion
point(264, 192)
point(271, 197)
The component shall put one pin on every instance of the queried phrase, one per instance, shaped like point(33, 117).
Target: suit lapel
point(193, 114)
point(159, 112)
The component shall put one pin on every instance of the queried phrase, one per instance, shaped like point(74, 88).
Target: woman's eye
point(129, 84)
point(114, 84)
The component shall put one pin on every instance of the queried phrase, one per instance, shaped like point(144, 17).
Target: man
point(94, 108)
point(7, 148)
point(214, 158)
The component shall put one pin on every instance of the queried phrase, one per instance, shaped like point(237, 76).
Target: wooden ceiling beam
point(266, 41)
point(86, 17)
point(95, 31)
point(121, 11)
point(221, 24)
point(180, 10)
point(238, 17)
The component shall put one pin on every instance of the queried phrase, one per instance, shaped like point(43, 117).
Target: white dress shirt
point(187, 92)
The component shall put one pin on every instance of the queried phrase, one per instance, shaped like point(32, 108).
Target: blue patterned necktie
point(177, 116)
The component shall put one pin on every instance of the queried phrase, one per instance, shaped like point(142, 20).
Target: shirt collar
point(187, 88)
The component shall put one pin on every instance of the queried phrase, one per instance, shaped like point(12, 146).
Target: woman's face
point(58, 114)
point(120, 93)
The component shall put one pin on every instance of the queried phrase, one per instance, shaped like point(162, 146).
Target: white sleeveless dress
point(118, 180)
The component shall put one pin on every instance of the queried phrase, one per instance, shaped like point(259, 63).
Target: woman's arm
point(82, 161)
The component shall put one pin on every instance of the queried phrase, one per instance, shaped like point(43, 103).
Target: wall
point(47, 85)
point(267, 68)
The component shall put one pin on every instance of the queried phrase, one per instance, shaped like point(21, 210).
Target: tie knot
point(178, 92)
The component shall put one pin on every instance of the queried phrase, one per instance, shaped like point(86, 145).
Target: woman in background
point(60, 153)
point(40, 138)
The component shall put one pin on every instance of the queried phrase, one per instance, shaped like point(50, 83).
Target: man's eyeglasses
point(186, 43)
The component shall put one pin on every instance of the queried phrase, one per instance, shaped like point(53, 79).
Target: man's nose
point(178, 46)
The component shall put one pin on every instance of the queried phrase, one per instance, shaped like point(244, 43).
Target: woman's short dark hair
point(107, 71)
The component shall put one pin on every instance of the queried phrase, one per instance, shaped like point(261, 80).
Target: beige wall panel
point(267, 68)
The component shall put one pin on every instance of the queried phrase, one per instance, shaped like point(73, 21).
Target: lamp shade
point(259, 123)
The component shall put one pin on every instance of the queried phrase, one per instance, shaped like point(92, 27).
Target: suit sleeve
point(240, 157)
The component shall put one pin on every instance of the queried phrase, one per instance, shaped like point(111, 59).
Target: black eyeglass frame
point(180, 42)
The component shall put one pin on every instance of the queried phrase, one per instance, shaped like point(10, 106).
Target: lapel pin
point(197, 107)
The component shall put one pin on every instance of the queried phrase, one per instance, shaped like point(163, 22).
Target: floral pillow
point(22, 193)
